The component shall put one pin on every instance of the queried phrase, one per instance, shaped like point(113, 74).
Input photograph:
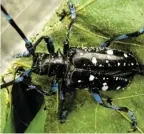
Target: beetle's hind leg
point(99, 100)
point(67, 98)
point(122, 37)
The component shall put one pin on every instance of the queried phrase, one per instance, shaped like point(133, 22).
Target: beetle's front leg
point(122, 37)
point(49, 44)
point(20, 55)
point(67, 98)
point(99, 100)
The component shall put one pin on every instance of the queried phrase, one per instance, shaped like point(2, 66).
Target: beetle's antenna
point(15, 26)
point(73, 17)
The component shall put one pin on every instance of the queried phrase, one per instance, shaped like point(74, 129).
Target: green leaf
point(6, 113)
point(9, 127)
point(37, 124)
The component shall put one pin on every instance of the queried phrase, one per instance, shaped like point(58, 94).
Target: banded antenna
point(28, 44)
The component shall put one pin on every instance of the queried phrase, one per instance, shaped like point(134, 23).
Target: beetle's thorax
point(51, 65)
point(57, 65)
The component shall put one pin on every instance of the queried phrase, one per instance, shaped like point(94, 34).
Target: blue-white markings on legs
point(27, 41)
point(8, 17)
point(32, 86)
point(121, 37)
point(27, 73)
point(142, 30)
point(104, 45)
point(61, 95)
point(97, 98)
point(54, 87)
point(20, 79)
point(72, 10)
point(24, 54)
point(133, 118)
point(73, 13)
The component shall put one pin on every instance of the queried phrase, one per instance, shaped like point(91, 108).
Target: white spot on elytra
point(125, 55)
point(132, 64)
point(81, 54)
point(110, 52)
point(116, 78)
point(105, 84)
point(105, 87)
point(107, 61)
point(109, 65)
point(118, 64)
point(79, 81)
point(94, 60)
point(103, 78)
point(118, 87)
point(100, 65)
point(91, 78)
point(124, 64)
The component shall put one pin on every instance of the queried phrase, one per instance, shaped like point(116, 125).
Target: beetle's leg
point(25, 78)
point(48, 41)
point(20, 55)
point(37, 88)
point(99, 100)
point(122, 37)
point(73, 17)
point(54, 87)
point(67, 98)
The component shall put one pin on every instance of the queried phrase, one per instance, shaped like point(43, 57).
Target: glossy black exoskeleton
point(93, 68)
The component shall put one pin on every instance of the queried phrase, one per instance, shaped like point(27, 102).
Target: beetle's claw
point(63, 116)
point(134, 126)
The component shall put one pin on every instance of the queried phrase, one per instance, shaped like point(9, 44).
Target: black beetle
point(93, 68)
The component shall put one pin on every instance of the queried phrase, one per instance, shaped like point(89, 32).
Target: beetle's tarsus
point(63, 116)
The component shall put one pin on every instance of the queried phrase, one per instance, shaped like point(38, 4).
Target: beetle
point(77, 67)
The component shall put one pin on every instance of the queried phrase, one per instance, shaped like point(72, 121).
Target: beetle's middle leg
point(122, 37)
point(99, 100)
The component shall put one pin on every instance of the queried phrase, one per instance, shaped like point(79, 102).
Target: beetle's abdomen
point(103, 58)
